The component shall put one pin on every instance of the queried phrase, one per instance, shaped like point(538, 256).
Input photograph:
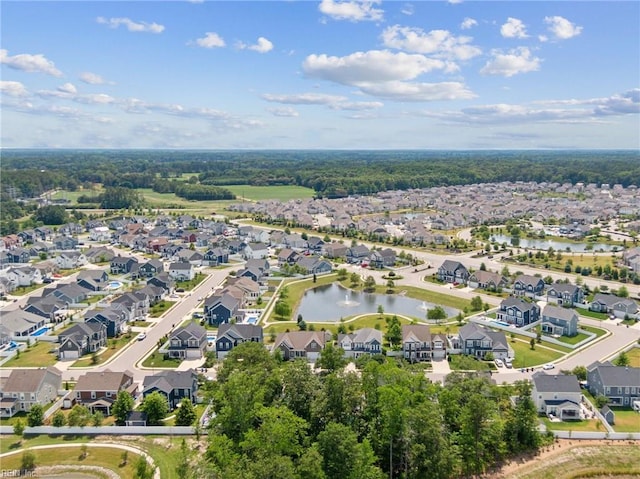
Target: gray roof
point(239, 331)
point(28, 380)
point(617, 375)
point(191, 329)
point(528, 279)
point(559, 383)
point(519, 303)
point(559, 312)
point(167, 381)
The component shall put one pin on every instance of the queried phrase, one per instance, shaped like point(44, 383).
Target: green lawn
point(160, 308)
point(189, 285)
point(634, 357)
point(157, 360)
point(627, 420)
point(592, 425)
point(597, 331)
point(591, 314)
point(461, 362)
point(38, 355)
point(282, 193)
point(573, 339)
point(113, 347)
point(525, 357)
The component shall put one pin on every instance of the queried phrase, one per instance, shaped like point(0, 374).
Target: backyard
point(627, 420)
point(114, 346)
point(40, 354)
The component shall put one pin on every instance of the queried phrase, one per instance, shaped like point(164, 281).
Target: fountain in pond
point(347, 302)
point(423, 307)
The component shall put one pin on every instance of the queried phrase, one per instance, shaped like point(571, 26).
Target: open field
point(576, 459)
point(282, 193)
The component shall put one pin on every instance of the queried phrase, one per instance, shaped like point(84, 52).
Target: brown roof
point(102, 381)
point(299, 340)
point(27, 380)
point(420, 332)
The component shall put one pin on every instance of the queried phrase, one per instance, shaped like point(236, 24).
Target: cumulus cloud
point(561, 28)
point(261, 46)
point(468, 23)
point(29, 63)
point(91, 78)
point(68, 88)
point(624, 103)
point(131, 25)
point(285, 111)
point(352, 10)
point(417, 91)
point(13, 88)
point(304, 98)
point(518, 60)
point(513, 28)
point(439, 43)
point(210, 40)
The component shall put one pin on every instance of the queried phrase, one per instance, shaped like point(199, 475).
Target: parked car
point(141, 336)
point(498, 362)
point(508, 363)
point(548, 366)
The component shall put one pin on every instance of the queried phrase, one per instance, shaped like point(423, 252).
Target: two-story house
point(302, 344)
point(81, 338)
point(174, 385)
point(384, 258)
point(188, 342)
point(557, 395)
point(26, 387)
point(358, 254)
point(478, 341)
point(620, 384)
point(182, 271)
point(151, 268)
point(97, 390)
point(361, 342)
point(611, 304)
point(518, 311)
point(231, 335)
point(487, 280)
point(453, 272)
point(113, 318)
point(528, 286)
point(559, 321)
point(416, 343)
point(70, 259)
point(123, 264)
point(565, 294)
point(220, 309)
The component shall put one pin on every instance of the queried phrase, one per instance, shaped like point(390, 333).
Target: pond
point(331, 302)
point(544, 244)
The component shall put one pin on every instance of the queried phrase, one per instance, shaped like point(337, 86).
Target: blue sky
point(320, 74)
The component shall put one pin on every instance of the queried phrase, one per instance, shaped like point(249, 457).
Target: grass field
point(591, 314)
point(627, 420)
point(282, 193)
point(634, 357)
point(38, 355)
point(106, 354)
point(591, 425)
point(157, 360)
point(525, 357)
point(582, 461)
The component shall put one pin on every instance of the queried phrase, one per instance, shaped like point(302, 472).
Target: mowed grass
point(634, 358)
point(626, 420)
point(526, 358)
point(38, 355)
point(589, 425)
point(581, 461)
point(106, 457)
point(282, 193)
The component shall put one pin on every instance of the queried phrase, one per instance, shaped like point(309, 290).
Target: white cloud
point(68, 88)
point(285, 111)
point(407, 9)
point(562, 28)
point(357, 105)
point(370, 66)
point(468, 23)
point(261, 46)
point(513, 28)
point(418, 92)
point(210, 40)
point(518, 60)
point(29, 63)
point(618, 104)
point(131, 25)
point(13, 88)
point(304, 98)
point(91, 78)
point(440, 43)
point(352, 10)
point(454, 2)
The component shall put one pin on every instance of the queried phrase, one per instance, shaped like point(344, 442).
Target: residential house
point(151, 268)
point(92, 279)
point(557, 395)
point(559, 321)
point(137, 302)
point(98, 390)
point(478, 341)
point(221, 308)
point(518, 311)
point(528, 286)
point(101, 254)
point(358, 254)
point(565, 294)
point(65, 243)
point(215, 257)
point(100, 233)
point(26, 387)
point(182, 271)
point(80, 339)
point(49, 307)
point(315, 244)
point(24, 276)
point(384, 258)
point(487, 280)
point(611, 304)
point(123, 264)
point(188, 342)
point(418, 344)
point(22, 323)
point(335, 250)
point(361, 342)
point(231, 335)
point(71, 293)
point(302, 344)
point(189, 256)
point(18, 255)
point(164, 281)
point(453, 272)
point(174, 385)
point(287, 256)
point(313, 265)
point(631, 259)
point(113, 318)
point(255, 251)
point(620, 384)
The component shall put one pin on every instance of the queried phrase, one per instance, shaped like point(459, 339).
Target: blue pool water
point(114, 285)
point(41, 331)
point(252, 320)
point(502, 323)
point(12, 345)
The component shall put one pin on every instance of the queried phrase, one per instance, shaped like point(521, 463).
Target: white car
point(548, 366)
point(141, 336)
point(498, 362)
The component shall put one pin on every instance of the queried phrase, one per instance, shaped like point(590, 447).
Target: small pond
point(544, 244)
point(331, 302)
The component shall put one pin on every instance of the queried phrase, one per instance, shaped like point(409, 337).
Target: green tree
point(436, 314)
point(354, 279)
point(331, 358)
point(580, 372)
point(394, 331)
point(183, 468)
point(156, 407)
point(97, 418)
point(601, 401)
point(143, 469)
point(18, 429)
point(79, 416)
point(58, 419)
point(623, 292)
point(309, 465)
point(122, 406)
point(299, 387)
point(282, 309)
point(532, 344)
point(380, 310)
point(28, 461)
point(52, 215)
point(370, 284)
point(35, 417)
point(476, 303)
point(622, 359)
point(186, 413)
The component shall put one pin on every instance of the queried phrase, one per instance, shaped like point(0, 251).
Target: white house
point(557, 395)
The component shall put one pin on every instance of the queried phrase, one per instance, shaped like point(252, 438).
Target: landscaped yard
point(526, 358)
point(114, 345)
point(40, 354)
point(627, 420)
point(634, 357)
point(592, 425)
point(157, 360)
point(591, 314)
point(160, 308)
point(573, 339)
point(189, 285)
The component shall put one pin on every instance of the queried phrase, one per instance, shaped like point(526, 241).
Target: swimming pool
point(114, 285)
point(12, 345)
point(252, 320)
point(41, 331)
point(502, 323)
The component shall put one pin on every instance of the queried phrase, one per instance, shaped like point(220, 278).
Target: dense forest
point(329, 173)
point(277, 419)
